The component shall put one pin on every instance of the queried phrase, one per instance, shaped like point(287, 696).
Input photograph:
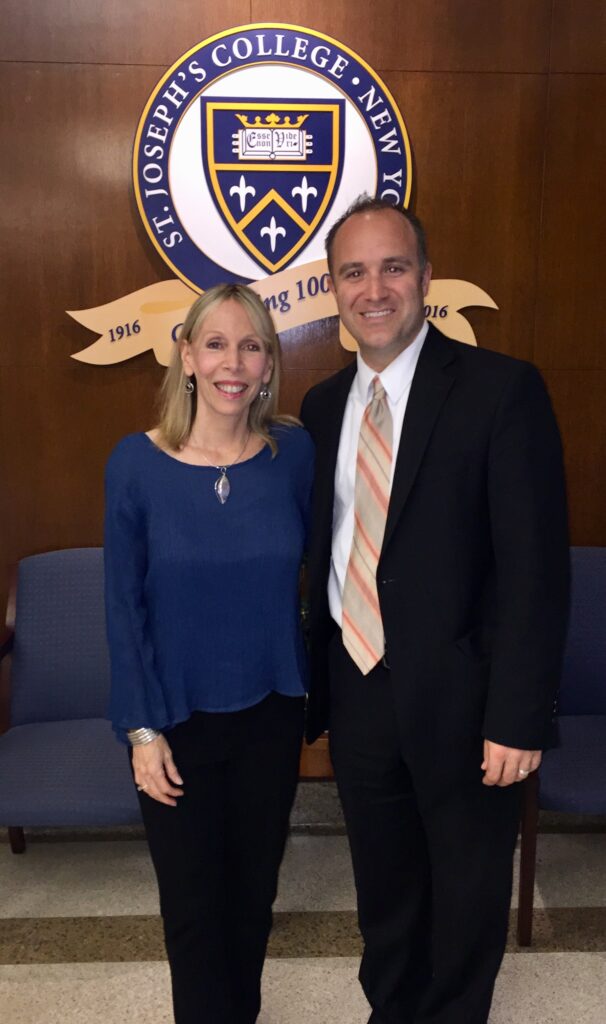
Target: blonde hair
point(178, 408)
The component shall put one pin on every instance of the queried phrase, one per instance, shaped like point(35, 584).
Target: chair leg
point(16, 837)
point(528, 854)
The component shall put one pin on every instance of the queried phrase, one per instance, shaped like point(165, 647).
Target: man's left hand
point(504, 765)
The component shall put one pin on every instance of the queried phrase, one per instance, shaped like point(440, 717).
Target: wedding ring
point(522, 772)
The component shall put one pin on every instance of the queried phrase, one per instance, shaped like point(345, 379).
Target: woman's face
point(228, 359)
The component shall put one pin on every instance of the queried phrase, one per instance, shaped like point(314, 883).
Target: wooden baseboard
point(315, 760)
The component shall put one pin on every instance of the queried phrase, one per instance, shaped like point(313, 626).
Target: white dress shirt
point(396, 379)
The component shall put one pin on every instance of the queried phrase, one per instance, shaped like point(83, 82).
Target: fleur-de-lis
point(242, 190)
point(304, 190)
point(273, 230)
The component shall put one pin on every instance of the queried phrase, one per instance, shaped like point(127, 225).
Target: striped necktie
point(362, 627)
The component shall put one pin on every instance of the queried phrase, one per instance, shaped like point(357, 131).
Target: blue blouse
point(202, 599)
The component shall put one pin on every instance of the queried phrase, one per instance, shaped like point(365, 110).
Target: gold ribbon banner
point(151, 317)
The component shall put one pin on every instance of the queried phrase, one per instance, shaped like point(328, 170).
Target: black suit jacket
point(473, 573)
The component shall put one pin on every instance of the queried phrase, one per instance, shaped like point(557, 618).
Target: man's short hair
point(367, 204)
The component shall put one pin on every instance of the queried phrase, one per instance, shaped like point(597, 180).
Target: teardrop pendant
point(222, 487)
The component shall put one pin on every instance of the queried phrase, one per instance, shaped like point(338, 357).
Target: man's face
point(378, 284)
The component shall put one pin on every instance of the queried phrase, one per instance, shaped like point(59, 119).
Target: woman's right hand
point(155, 771)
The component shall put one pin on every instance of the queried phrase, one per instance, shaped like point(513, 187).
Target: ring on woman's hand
point(520, 772)
point(141, 788)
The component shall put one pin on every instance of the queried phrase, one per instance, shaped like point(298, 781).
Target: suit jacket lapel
point(327, 433)
point(328, 448)
point(431, 384)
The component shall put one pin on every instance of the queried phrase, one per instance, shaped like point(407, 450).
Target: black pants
point(432, 860)
point(217, 854)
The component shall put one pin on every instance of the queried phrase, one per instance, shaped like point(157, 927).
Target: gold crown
point(272, 121)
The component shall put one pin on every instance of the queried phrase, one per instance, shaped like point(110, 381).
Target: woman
point(205, 529)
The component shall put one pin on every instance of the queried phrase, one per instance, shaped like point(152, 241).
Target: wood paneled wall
point(504, 101)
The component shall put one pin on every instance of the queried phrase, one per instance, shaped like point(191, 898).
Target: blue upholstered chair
point(60, 764)
point(572, 777)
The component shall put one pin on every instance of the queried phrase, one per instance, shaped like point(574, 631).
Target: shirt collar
point(396, 377)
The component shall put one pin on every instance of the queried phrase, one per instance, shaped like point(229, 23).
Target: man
point(438, 575)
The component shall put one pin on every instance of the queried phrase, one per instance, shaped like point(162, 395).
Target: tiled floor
point(80, 939)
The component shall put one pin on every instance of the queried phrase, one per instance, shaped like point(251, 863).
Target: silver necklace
point(222, 484)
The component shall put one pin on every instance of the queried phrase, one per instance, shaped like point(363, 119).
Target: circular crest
point(254, 143)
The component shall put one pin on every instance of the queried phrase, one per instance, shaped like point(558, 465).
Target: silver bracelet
point(137, 737)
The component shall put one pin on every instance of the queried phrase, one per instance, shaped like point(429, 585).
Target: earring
point(265, 393)
point(189, 386)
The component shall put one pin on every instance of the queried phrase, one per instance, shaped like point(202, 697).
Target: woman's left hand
point(155, 771)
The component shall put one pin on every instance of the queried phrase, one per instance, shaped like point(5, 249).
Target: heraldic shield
point(273, 170)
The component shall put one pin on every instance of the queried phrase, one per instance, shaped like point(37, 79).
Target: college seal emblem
point(249, 148)
point(239, 154)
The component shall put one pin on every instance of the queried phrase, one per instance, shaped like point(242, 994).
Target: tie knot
point(378, 391)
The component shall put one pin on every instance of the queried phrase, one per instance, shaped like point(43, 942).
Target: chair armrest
point(7, 636)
